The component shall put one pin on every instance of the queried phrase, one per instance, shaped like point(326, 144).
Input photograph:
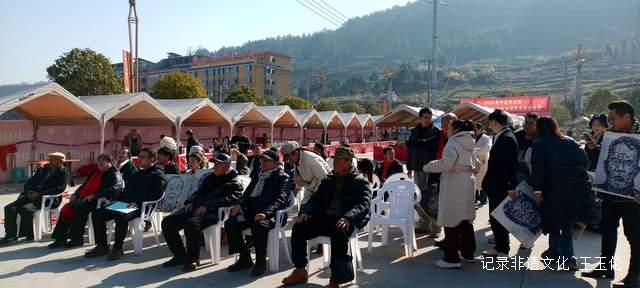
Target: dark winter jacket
point(46, 181)
point(355, 199)
point(422, 145)
point(145, 185)
point(171, 168)
point(216, 192)
point(111, 184)
point(275, 195)
point(503, 161)
point(127, 170)
point(396, 167)
point(192, 141)
point(559, 170)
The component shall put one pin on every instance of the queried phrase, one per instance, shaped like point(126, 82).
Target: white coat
point(310, 171)
point(483, 146)
point(456, 201)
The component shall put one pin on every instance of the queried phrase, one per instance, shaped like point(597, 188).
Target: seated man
point(105, 182)
point(267, 193)
point(148, 184)
point(166, 157)
point(220, 189)
point(389, 165)
point(340, 205)
point(51, 179)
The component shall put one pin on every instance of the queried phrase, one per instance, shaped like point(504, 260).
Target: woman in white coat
point(456, 202)
point(483, 145)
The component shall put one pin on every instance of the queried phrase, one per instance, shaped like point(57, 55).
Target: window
point(273, 59)
point(237, 69)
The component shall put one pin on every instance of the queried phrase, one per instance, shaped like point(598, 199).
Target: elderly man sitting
point(340, 205)
point(50, 179)
point(267, 193)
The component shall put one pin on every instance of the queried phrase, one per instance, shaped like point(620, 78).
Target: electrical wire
point(322, 10)
point(343, 17)
point(317, 13)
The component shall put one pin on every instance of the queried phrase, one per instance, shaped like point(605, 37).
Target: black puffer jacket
point(422, 145)
point(111, 184)
point(355, 199)
point(275, 194)
point(216, 192)
point(145, 185)
point(46, 181)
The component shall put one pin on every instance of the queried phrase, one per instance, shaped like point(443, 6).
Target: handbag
point(342, 270)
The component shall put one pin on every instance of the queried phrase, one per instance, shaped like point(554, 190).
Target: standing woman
point(598, 125)
point(561, 187)
point(456, 202)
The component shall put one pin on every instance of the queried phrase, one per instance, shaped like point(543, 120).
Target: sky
point(35, 33)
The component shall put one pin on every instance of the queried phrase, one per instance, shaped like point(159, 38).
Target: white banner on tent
point(520, 216)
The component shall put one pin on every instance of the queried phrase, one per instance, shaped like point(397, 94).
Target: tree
point(296, 103)
point(352, 107)
point(599, 101)
point(633, 96)
point(327, 105)
point(246, 94)
point(85, 72)
point(560, 113)
point(178, 85)
point(375, 109)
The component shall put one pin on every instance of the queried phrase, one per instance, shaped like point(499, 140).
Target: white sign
point(521, 216)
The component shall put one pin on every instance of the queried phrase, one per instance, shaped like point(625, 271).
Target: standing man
point(309, 167)
point(192, 140)
point(51, 179)
point(267, 193)
point(622, 120)
point(340, 205)
point(133, 140)
point(124, 164)
point(148, 184)
point(525, 139)
point(241, 140)
point(318, 148)
point(501, 177)
point(220, 189)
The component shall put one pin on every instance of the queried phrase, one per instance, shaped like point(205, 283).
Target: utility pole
point(580, 58)
point(133, 41)
point(434, 56)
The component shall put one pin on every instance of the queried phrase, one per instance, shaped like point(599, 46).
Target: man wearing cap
point(192, 140)
point(241, 140)
point(340, 205)
point(148, 184)
point(50, 179)
point(310, 169)
point(220, 189)
point(267, 193)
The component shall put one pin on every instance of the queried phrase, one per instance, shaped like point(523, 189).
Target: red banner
point(520, 105)
point(126, 68)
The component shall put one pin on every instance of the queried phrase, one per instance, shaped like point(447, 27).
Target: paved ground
point(33, 265)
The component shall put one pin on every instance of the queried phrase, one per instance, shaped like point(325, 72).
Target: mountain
point(469, 30)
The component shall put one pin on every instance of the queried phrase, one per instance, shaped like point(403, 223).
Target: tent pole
point(301, 135)
point(272, 138)
point(362, 134)
point(102, 128)
point(34, 139)
point(178, 126)
point(326, 135)
point(115, 135)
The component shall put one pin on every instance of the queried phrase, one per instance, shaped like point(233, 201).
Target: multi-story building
point(269, 73)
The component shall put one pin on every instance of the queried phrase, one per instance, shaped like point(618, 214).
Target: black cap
point(270, 155)
point(221, 157)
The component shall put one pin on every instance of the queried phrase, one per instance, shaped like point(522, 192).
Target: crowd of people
point(468, 165)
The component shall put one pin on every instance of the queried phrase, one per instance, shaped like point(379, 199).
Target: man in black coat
point(148, 184)
point(241, 140)
point(220, 189)
point(340, 205)
point(267, 193)
point(501, 176)
point(192, 140)
point(84, 200)
point(50, 179)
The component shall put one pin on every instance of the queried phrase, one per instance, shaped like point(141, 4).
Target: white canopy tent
point(46, 104)
point(128, 109)
point(281, 116)
point(331, 120)
point(403, 116)
point(200, 112)
point(309, 119)
point(367, 122)
point(475, 112)
point(245, 114)
point(351, 121)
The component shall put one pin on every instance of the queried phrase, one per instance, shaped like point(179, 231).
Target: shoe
point(115, 254)
point(7, 240)
point(56, 244)
point(190, 266)
point(243, 263)
point(599, 273)
point(439, 244)
point(332, 284)
point(631, 281)
point(259, 268)
point(174, 261)
point(493, 253)
point(97, 252)
point(447, 265)
point(468, 260)
point(317, 249)
point(28, 239)
point(298, 276)
point(72, 244)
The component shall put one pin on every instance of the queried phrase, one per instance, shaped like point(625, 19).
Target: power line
point(322, 10)
point(317, 13)
point(334, 9)
point(328, 11)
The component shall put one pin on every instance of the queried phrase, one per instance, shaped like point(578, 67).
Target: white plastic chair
point(375, 183)
point(137, 225)
point(403, 195)
point(398, 177)
point(278, 234)
point(92, 238)
point(42, 217)
point(213, 233)
point(354, 250)
point(299, 198)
